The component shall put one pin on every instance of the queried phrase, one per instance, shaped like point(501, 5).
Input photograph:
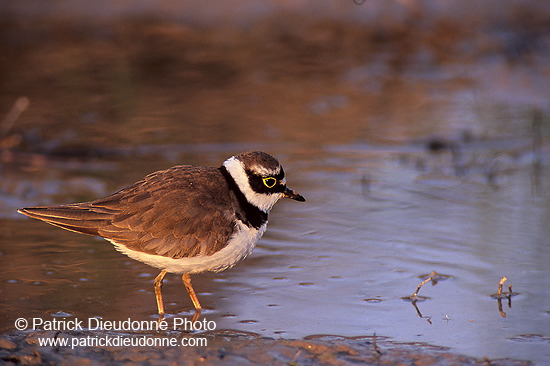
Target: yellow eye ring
point(269, 182)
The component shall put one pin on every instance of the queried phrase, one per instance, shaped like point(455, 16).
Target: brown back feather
point(180, 212)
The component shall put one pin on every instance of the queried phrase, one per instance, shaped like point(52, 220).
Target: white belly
point(240, 245)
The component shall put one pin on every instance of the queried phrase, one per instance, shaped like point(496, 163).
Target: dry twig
point(432, 274)
point(500, 295)
point(431, 277)
point(500, 283)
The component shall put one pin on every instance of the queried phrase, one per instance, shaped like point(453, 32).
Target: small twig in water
point(500, 295)
point(501, 282)
point(423, 283)
point(414, 298)
point(433, 276)
point(375, 345)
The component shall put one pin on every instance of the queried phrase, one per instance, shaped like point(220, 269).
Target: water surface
point(340, 264)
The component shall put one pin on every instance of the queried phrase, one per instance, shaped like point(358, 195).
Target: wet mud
point(236, 348)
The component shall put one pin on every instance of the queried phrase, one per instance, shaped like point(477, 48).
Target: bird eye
point(269, 182)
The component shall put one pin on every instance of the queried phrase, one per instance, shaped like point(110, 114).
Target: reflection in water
point(432, 277)
point(421, 298)
point(499, 302)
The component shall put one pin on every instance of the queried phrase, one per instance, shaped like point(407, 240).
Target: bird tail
point(80, 218)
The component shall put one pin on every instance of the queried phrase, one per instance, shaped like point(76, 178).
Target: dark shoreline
point(231, 347)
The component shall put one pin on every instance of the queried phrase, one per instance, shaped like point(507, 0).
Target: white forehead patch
point(263, 171)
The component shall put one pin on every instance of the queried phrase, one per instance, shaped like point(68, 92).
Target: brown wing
point(181, 212)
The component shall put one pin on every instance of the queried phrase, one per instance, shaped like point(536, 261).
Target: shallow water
point(425, 167)
point(339, 264)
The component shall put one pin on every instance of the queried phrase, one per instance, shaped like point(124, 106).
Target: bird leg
point(187, 282)
point(158, 293)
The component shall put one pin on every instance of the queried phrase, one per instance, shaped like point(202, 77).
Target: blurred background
point(417, 130)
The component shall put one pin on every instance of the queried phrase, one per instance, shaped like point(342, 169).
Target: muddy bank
point(223, 347)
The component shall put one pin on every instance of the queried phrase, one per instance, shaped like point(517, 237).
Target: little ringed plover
point(183, 220)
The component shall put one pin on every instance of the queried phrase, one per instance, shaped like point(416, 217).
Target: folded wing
point(180, 212)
